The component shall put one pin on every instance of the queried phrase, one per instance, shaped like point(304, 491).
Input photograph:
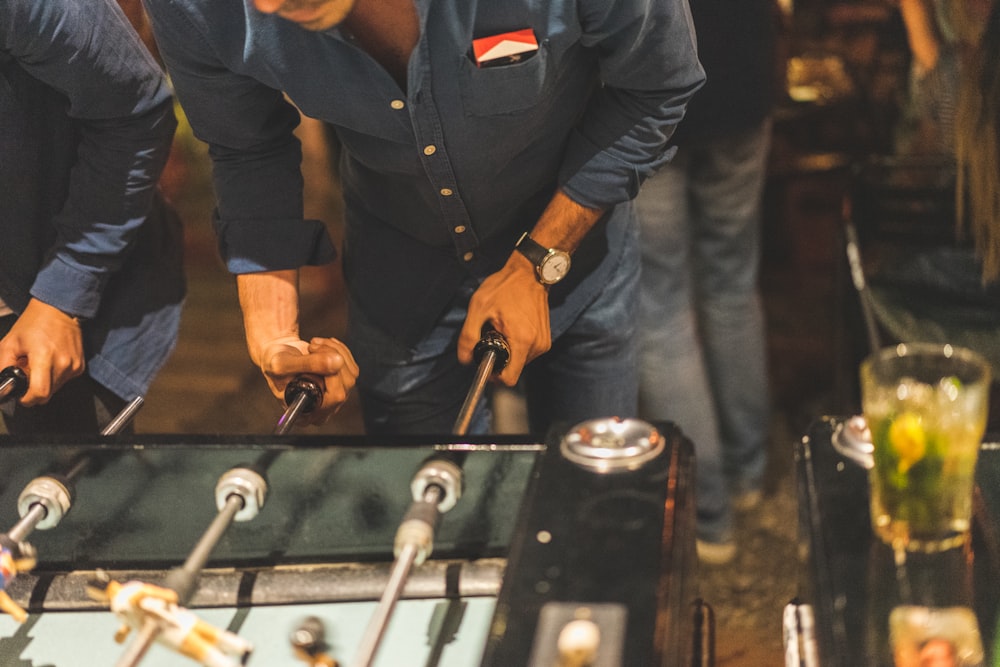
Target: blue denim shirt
point(86, 120)
point(441, 178)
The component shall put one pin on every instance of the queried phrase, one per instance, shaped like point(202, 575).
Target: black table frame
point(850, 579)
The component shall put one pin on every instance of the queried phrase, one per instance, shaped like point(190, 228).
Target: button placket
point(437, 166)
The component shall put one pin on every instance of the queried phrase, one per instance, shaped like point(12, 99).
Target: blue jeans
point(702, 348)
point(590, 371)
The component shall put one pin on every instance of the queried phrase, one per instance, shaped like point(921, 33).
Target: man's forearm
point(564, 223)
point(514, 301)
point(270, 304)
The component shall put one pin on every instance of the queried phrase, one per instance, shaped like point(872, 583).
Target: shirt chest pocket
point(504, 89)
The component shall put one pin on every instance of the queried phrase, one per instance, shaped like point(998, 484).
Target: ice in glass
point(926, 407)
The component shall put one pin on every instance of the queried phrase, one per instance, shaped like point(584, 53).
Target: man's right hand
point(270, 304)
point(48, 345)
point(328, 359)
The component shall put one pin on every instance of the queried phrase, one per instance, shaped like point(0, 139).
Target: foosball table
point(287, 549)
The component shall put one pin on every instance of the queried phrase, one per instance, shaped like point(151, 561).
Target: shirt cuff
point(74, 292)
point(251, 246)
point(598, 179)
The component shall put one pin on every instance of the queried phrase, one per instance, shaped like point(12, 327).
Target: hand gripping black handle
point(13, 383)
point(495, 342)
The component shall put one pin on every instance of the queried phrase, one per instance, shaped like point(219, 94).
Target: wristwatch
point(551, 265)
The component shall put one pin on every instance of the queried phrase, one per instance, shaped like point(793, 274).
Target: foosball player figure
point(309, 643)
point(136, 602)
point(15, 557)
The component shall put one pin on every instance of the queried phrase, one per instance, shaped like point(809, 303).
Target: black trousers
point(80, 406)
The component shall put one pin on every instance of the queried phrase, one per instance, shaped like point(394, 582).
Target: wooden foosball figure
point(136, 602)
point(15, 558)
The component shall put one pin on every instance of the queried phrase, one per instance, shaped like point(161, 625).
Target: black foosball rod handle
point(13, 383)
point(302, 395)
point(491, 355)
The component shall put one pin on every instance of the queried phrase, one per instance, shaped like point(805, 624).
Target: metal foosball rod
point(43, 502)
point(239, 496)
point(491, 355)
point(436, 488)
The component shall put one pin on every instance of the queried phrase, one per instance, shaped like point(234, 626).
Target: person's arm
point(514, 301)
point(123, 108)
point(649, 69)
point(921, 35)
point(270, 305)
point(259, 219)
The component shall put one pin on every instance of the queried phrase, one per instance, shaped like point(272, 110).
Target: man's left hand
point(517, 306)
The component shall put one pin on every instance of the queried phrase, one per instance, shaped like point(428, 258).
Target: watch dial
point(555, 267)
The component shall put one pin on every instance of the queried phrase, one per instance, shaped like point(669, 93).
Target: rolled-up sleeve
point(253, 149)
point(649, 70)
point(123, 107)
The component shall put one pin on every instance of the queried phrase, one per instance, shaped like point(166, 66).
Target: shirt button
point(467, 256)
point(397, 104)
point(430, 150)
point(459, 229)
point(446, 192)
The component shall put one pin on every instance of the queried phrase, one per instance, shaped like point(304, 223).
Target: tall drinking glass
point(926, 408)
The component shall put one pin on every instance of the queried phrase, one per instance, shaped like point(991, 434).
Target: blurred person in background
point(702, 353)
point(950, 292)
point(977, 144)
point(943, 36)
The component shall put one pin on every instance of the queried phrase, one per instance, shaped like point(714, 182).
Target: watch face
point(554, 267)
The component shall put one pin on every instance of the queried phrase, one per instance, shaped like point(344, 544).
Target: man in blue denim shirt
point(447, 159)
point(88, 277)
